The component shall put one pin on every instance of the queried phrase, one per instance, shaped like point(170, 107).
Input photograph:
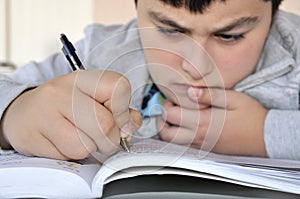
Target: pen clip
point(70, 53)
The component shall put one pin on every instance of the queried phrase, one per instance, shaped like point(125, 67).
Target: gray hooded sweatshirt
point(275, 83)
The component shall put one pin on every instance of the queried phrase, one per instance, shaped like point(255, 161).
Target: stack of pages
point(47, 178)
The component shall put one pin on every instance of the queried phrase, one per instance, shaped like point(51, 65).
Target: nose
point(197, 64)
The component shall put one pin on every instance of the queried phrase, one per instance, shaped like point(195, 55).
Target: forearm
point(282, 134)
point(29, 76)
point(9, 91)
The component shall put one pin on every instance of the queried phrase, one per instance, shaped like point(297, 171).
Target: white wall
point(36, 26)
point(120, 11)
point(2, 31)
point(114, 11)
point(291, 6)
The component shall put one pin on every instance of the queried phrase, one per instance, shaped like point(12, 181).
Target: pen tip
point(125, 145)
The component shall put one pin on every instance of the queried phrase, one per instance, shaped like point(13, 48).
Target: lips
point(183, 88)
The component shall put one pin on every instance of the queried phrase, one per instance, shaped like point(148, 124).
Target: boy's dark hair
point(199, 6)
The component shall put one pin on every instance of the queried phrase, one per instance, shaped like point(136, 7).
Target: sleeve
point(9, 90)
point(34, 74)
point(282, 134)
point(29, 76)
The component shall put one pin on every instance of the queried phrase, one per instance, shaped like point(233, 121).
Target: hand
point(71, 116)
point(237, 123)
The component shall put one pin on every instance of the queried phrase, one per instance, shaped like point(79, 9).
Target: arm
point(48, 75)
point(249, 129)
point(31, 75)
point(71, 116)
point(233, 124)
point(282, 134)
point(10, 89)
point(26, 77)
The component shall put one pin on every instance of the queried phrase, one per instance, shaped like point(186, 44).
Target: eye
point(230, 38)
point(169, 31)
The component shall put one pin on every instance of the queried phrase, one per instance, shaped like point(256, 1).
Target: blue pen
point(70, 53)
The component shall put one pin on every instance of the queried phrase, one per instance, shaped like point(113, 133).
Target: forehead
point(202, 6)
point(194, 6)
point(218, 13)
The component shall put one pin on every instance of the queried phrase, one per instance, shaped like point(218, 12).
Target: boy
point(244, 101)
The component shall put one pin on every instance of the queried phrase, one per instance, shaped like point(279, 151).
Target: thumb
point(134, 123)
point(128, 120)
point(216, 97)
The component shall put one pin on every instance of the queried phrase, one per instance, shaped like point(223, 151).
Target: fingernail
point(200, 92)
point(164, 113)
point(128, 129)
point(195, 93)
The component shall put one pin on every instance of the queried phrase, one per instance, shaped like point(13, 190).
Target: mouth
point(183, 88)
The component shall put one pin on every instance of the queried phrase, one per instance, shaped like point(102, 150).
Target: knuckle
point(199, 137)
point(75, 150)
point(165, 136)
point(70, 144)
point(48, 89)
point(52, 88)
point(110, 150)
point(138, 120)
point(108, 146)
point(208, 94)
point(78, 154)
point(106, 124)
point(123, 86)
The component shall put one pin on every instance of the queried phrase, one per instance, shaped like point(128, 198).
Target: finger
point(119, 105)
point(88, 112)
point(136, 117)
point(113, 91)
point(212, 96)
point(128, 120)
point(179, 116)
point(175, 134)
point(185, 136)
point(110, 143)
point(43, 148)
point(69, 140)
point(95, 120)
point(108, 88)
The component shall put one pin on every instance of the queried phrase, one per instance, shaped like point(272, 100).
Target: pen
point(70, 53)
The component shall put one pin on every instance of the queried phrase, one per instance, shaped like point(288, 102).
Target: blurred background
point(29, 29)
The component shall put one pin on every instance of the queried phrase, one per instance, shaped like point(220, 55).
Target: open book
point(22, 176)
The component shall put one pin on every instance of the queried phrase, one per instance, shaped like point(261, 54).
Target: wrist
point(4, 144)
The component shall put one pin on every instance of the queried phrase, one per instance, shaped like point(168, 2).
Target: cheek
point(162, 57)
point(162, 64)
point(236, 63)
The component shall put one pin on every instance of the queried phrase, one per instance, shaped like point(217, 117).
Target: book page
point(156, 155)
point(136, 171)
point(151, 146)
point(86, 169)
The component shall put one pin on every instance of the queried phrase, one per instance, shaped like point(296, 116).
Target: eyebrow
point(233, 25)
point(238, 24)
point(167, 21)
